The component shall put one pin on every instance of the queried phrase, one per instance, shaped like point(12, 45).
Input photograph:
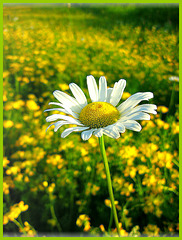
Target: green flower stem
point(103, 152)
point(54, 214)
point(20, 226)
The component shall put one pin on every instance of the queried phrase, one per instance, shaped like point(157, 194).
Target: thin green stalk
point(109, 183)
point(54, 214)
point(20, 226)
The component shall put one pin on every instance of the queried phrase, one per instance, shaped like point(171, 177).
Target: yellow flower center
point(98, 115)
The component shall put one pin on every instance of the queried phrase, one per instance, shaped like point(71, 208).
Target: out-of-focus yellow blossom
point(25, 140)
point(15, 211)
point(97, 73)
point(163, 159)
point(26, 118)
point(45, 183)
point(142, 169)
point(5, 96)
point(84, 151)
point(122, 231)
point(55, 160)
point(63, 86)
point(26, 179)
point(127, 189)
point(151, 230)
point(148, 149)
point(102, 228)
point(31, 96)
point(32, 105)
point(18, 125)
point(93, 142)
point(37, 113)
point(8, 124)
point(162, 109)
point(147, 125)
point(66, 145)
point(5, 74)
point(83, 220)
point(13, 170)
point(175, 128)
point(162, 124)
point(28, 229)
point(91, 189)
point(18, 154)
point(5, 162)
point(108, 204)
point(130, 171)
point(86, 159)
point(88, 169)
point(5, 188)
point(129, 153)
point(51, 187)
point(18, 104)
point(125, 95)
point(101, 170)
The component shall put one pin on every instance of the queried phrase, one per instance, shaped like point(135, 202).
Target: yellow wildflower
point(5, 162)
point(5, 74)
point(63, 86)
point(8, 124)
point(108, 202)
point(32, 105)
point(45, 183)
point(125, 95)
point(151, 230)
point(15, 211)
point(162, 109)
point(102, 228)
point(18, 104)
point(5, 188)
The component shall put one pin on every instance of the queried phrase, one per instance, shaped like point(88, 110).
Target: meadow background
point(55, 186)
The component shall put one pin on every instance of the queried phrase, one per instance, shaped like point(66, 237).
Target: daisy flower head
point(104, 115)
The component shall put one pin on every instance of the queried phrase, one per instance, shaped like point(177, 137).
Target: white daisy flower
point(104, 115)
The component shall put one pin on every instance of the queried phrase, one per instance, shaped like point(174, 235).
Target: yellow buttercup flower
point(8, 124)
point(32, 105)
point(162, 109)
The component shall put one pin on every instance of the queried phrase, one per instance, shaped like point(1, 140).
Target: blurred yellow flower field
point(57, 186)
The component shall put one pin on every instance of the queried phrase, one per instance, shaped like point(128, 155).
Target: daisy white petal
point(102, 89)
point(50, 126)
point(87, 134)
point(92, 88)
point(60, 124)
point(149, 108)
point(78, 94)
point(117, 92)
point(109, 91)
point(56, 103)
point(120, 127)
point(67, 100)
point(98, 132)
point(136, 116)
point(132, 125)
point(67, 131)
point(111, 131)
point(67, 118)
point(68, 111)
point(133, 100)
